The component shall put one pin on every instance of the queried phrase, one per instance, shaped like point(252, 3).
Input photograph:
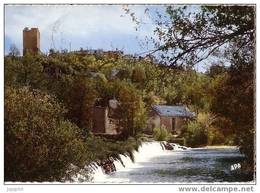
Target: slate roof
point(173, 111)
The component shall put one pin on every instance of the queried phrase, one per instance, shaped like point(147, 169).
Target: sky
point(80, 26)
point(73, 27)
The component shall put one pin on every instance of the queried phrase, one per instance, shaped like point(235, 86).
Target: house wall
point(167, 123)
point(102, 123)
point(153, 121)
point(179, 122)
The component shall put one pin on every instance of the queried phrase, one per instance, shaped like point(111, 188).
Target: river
point(197, 165)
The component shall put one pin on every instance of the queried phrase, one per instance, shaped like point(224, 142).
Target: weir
point(146, 152)
point(154, 164)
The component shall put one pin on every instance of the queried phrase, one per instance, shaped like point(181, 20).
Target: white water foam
point(147, 151)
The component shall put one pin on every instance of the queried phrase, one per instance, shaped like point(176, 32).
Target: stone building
point(171, 117)
point(106, 120)
point(31, 40)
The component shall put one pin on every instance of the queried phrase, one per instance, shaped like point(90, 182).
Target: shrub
point(39, 144)
point(138, 74)
point(215, 137)
point(196, 134)
point(203, 132)
point(161, 134)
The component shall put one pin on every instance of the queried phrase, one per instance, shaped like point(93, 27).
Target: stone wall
point(167, 123)
point(153, 121)
point(179, 122)
point(31, 40)
point(102, 123)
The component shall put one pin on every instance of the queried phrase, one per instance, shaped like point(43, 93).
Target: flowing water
point(155, 165)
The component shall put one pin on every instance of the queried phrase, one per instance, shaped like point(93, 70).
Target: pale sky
point(104, 27)
point(88, 26)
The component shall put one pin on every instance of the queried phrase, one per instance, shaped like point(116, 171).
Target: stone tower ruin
point(31, 40)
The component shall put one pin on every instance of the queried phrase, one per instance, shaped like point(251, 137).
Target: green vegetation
point(186, 38)
point(196, 134)
point(202, 131)
point(59, 91)
point(161, 134)
point(48, 99)
point(39, 143)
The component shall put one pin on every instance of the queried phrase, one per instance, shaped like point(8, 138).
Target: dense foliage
point(39, 144)
point(222, 37)
point(67, 86)
point(48, 99)
point(48, 116)
point(161, 134)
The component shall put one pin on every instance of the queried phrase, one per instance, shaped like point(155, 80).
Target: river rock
point(108, 166)
point(167, 146)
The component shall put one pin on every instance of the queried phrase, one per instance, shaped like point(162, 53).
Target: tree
point(188, 37)
point(191, 34)
point(138, 74)
point(80, 100)
point(39, 144)
point(13, 51)
point(216, 70)
point(132, 108)
point(207, 33)
point(235, 100)
point(25, 71)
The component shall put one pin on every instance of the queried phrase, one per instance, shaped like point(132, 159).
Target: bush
point(203, 132)
point(161, 134)
point(39, 144)
point(196, 134)
point(215, 137)
point(138, 74)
